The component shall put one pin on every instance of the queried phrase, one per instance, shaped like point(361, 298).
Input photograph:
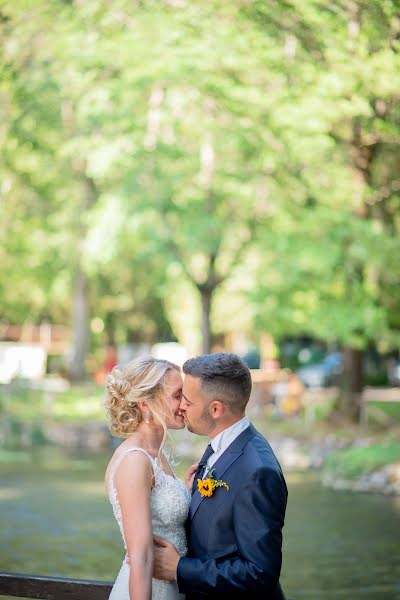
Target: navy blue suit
point(235, 537)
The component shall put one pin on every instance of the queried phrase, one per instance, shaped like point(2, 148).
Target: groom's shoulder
point(259, 452)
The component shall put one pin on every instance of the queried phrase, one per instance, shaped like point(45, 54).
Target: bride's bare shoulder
point(126, 456)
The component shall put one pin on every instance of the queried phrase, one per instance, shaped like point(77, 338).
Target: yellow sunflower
point(205, 486)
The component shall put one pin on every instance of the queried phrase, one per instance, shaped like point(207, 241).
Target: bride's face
point(172, 397)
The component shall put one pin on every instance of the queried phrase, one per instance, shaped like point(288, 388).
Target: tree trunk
point(352, 383)
point(88, 197)
point(206, 296)
point(80, 328)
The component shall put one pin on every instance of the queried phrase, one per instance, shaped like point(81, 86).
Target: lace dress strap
point(119, 460)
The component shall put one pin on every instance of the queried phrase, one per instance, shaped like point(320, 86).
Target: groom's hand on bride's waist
point(166, 560)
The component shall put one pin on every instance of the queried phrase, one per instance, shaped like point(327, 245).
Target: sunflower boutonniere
point(207, 485)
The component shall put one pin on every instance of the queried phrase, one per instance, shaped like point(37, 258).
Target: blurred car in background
point(324, 373)
point(252, 358)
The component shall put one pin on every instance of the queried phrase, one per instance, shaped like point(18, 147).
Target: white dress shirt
point(224, 439)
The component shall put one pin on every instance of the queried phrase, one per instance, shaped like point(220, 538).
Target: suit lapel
point(226, 459)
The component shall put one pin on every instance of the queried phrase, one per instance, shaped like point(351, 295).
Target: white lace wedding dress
point(170, 501)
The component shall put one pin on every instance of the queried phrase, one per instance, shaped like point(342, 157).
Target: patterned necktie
point(202, 464)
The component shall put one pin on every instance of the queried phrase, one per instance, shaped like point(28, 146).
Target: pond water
point(55, 519)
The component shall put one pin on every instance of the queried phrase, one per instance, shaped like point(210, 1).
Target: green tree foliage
point(337, 278)
point(235, 146)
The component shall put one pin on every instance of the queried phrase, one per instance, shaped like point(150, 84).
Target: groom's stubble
point(204, 423)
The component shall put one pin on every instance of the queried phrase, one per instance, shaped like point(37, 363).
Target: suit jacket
point(235, 537)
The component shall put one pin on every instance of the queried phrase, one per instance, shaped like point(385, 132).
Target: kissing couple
point(218, 533)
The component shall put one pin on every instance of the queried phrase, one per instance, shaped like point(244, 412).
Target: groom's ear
point(217, 409)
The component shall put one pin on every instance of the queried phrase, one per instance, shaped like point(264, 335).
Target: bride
point(147, 498)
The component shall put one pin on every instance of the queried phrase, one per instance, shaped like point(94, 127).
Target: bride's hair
point(142, 379)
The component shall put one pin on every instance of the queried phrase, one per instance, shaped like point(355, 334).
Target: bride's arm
point(133, 481)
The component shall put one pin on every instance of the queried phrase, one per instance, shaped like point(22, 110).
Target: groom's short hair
point(224, 376)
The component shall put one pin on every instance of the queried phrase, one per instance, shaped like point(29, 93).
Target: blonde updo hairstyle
point(142, 379)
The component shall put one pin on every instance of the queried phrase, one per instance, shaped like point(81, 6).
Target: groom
point(234, 535)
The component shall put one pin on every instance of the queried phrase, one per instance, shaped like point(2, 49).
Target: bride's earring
point(147, 415)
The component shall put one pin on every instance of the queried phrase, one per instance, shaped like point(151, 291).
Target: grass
point(351, 463)
point(14, 456)
point(80, 403)
point(381, 412)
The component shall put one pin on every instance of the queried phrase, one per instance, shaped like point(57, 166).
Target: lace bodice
point(170, 501)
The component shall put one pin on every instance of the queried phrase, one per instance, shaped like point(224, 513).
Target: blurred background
point(180, 177)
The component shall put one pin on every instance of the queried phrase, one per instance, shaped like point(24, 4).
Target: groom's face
point(195, 407)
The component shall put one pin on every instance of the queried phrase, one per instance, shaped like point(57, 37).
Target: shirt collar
point(228, 435)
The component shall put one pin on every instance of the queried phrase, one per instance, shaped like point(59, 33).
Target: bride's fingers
point(191, 470)
point(190, 475)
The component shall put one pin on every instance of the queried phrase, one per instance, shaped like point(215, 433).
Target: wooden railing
point(21, 585)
